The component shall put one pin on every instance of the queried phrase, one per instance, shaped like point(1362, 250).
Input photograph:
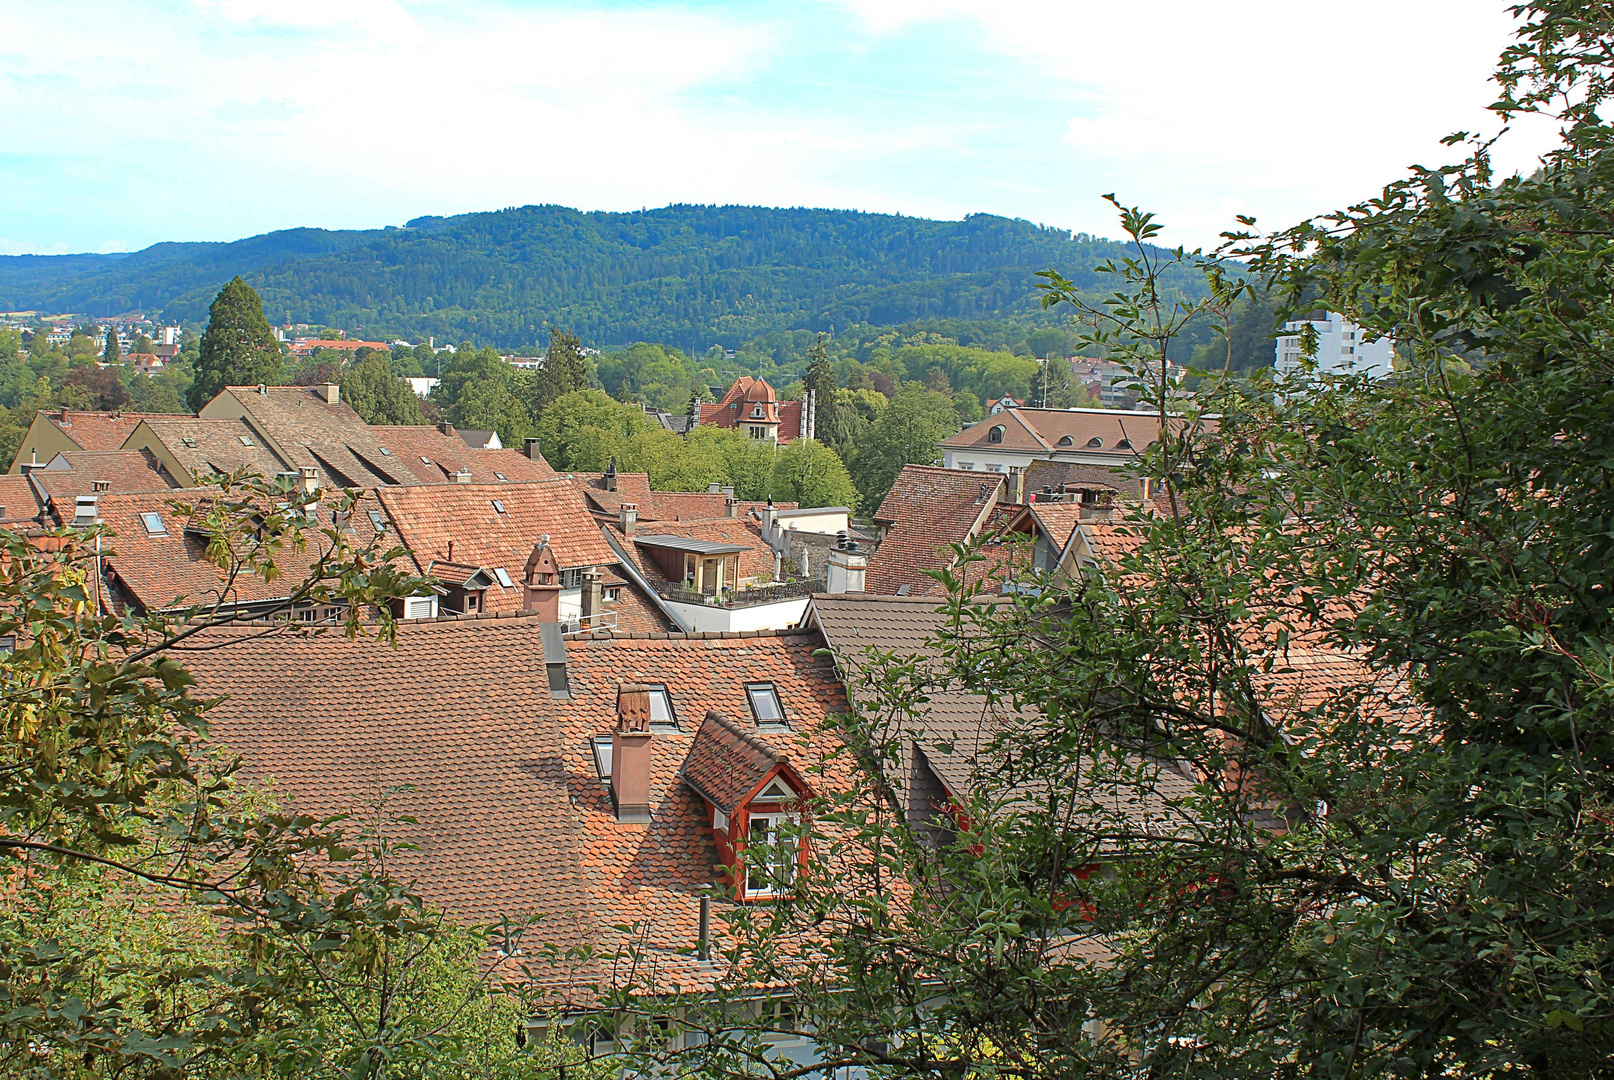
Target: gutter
point(638, 579)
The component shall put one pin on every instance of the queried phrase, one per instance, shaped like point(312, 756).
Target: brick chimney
point(446, 428)
point(630, 753)
point(628, 517)
point(330, 392)
point(731, 507)
point(542, 581)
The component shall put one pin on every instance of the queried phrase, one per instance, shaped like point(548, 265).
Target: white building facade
point(1341, 347)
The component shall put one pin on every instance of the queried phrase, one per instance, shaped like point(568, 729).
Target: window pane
point(765, 704)
point(660, 707)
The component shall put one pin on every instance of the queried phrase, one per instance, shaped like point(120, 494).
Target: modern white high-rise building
point(1341, 347)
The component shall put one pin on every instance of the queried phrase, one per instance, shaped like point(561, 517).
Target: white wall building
point(1341, 347)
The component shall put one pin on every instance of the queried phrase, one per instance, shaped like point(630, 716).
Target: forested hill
point(685, 275)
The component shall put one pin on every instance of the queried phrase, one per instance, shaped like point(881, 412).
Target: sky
point(128, 122)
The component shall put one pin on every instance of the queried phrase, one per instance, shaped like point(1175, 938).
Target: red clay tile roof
point(312, 431)
point(1058, 521)
point(19, 499)
point(743, 398)
point(726, 763)
point(83, 472)
point(449, 454)
point(96, 430)
point(155, 571)
point(661, 505)
point(930, 509)
point(429, 517)
point(513, 818)
point(209, 446)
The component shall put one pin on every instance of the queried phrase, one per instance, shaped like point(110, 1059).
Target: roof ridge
point(753, 741)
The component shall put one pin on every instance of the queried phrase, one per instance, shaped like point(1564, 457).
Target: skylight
point(377, 520)
point(504, 577)
point(498, 506)
point(244, 440)
point(765, 705)
point(384, 451)
point(501, 476)
point(424, 460)
point(661, 708)
point(154, 524)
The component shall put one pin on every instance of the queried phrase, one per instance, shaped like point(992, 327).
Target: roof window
point(377, 520)
point(602, 756)
point(188, 441)
point(500, 476)
point(661, 708)
point(1066, 440)
point(1095, 443)
point(498, 506)
point(1124, 444)
point(504, 577)
point(996, 434)
point(424, 460)
point(245, 441)
point(384, 451)
point(765, 705)
point(154, 524)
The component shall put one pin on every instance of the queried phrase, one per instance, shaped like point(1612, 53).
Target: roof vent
point(330, 392)
point(84, 511)
point(461, 477)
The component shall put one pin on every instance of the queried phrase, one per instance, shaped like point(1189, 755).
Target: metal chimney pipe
point(703, 944)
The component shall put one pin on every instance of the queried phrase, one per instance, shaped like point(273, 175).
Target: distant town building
point(307, 346)
point(752, 406)
point(1341, 347)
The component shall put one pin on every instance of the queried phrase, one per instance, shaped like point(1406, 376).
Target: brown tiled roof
point(511, 817)
point(930, 509)
point(1058, 521)
point(96, 430)
point(726, 763)
point(747, 392)
point(429, 517)
point(316, 432)
point(82, 472)
point(209, 446)
point(1044, 430)
point(19, 498)
point(449, 454)
point(1063, 475)
point(154, 571)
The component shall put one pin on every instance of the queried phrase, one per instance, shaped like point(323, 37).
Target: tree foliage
point(379, 396)
point(238, 347)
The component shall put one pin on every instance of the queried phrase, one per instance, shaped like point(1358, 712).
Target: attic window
point(1066, 440)
point(424, 460)
point(661, 708)
point(504, 577)
point(384, 451)
point(602, 756)
point(1095, 444)
point(154, 524)
point(188, 441)
point(498, 506)
point(765, 706)
point(377, 521)
point(776, 791)
point(501, 476)
point(245, 441)
point(996, 434)
point(1124, 444)
point(560, 686)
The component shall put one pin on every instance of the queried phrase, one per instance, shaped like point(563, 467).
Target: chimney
point(310, 477)
point(560, 687)
point(629, 517)
point(610, 475)
point(731, 505)
point(84, 512)
point(463, 476)
point(593, 592)
point(446, 428)
point(729, 491)
point(530, 448)
point(847, 564)
point(714, 489)
point(331, 392)
point(263, 390)
point(630, 753)
point(542, 579)
point(768, 518)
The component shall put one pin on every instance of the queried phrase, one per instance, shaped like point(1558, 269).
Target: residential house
point(88, 472)
point(55, 430)
point(444, 454)
point(928, 510)
point(506, 548)
point(1009, 441)
point(312, 427)
point(600, 783)
point(752, 407)
point(305, 347)
point(21, 506)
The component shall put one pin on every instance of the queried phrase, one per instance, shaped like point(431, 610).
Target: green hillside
point(686, 275)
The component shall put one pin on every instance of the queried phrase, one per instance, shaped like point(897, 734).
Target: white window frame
point(503, 576)
point(754, 688)
point(785, 867)
point(660, 695)
point(411, 607)
point(158, 529)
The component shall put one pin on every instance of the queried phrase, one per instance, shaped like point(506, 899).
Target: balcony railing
point(771, 593)
point(605, 620)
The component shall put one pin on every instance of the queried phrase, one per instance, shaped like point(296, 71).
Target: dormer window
point(1124, 444)
point(996, 434)
point(757, 413)
point(1095, 444)
point(765, 705)
point(1066, 440)
point(771, 854)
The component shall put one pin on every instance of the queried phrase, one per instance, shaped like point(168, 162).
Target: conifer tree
point(820, 379)
point(111, 353)
point(238, 348)
point(565, 369)
point(379, 396)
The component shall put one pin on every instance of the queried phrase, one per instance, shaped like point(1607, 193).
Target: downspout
point(638, 579)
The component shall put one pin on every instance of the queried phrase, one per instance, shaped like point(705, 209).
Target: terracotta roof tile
point(449, 454)
point(96, 430)
point(726, 763)
point(929, 509)
point(430, 517)
point(84, 472)
point(19, 499)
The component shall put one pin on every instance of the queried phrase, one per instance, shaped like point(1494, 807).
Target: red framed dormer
point(752, 795)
